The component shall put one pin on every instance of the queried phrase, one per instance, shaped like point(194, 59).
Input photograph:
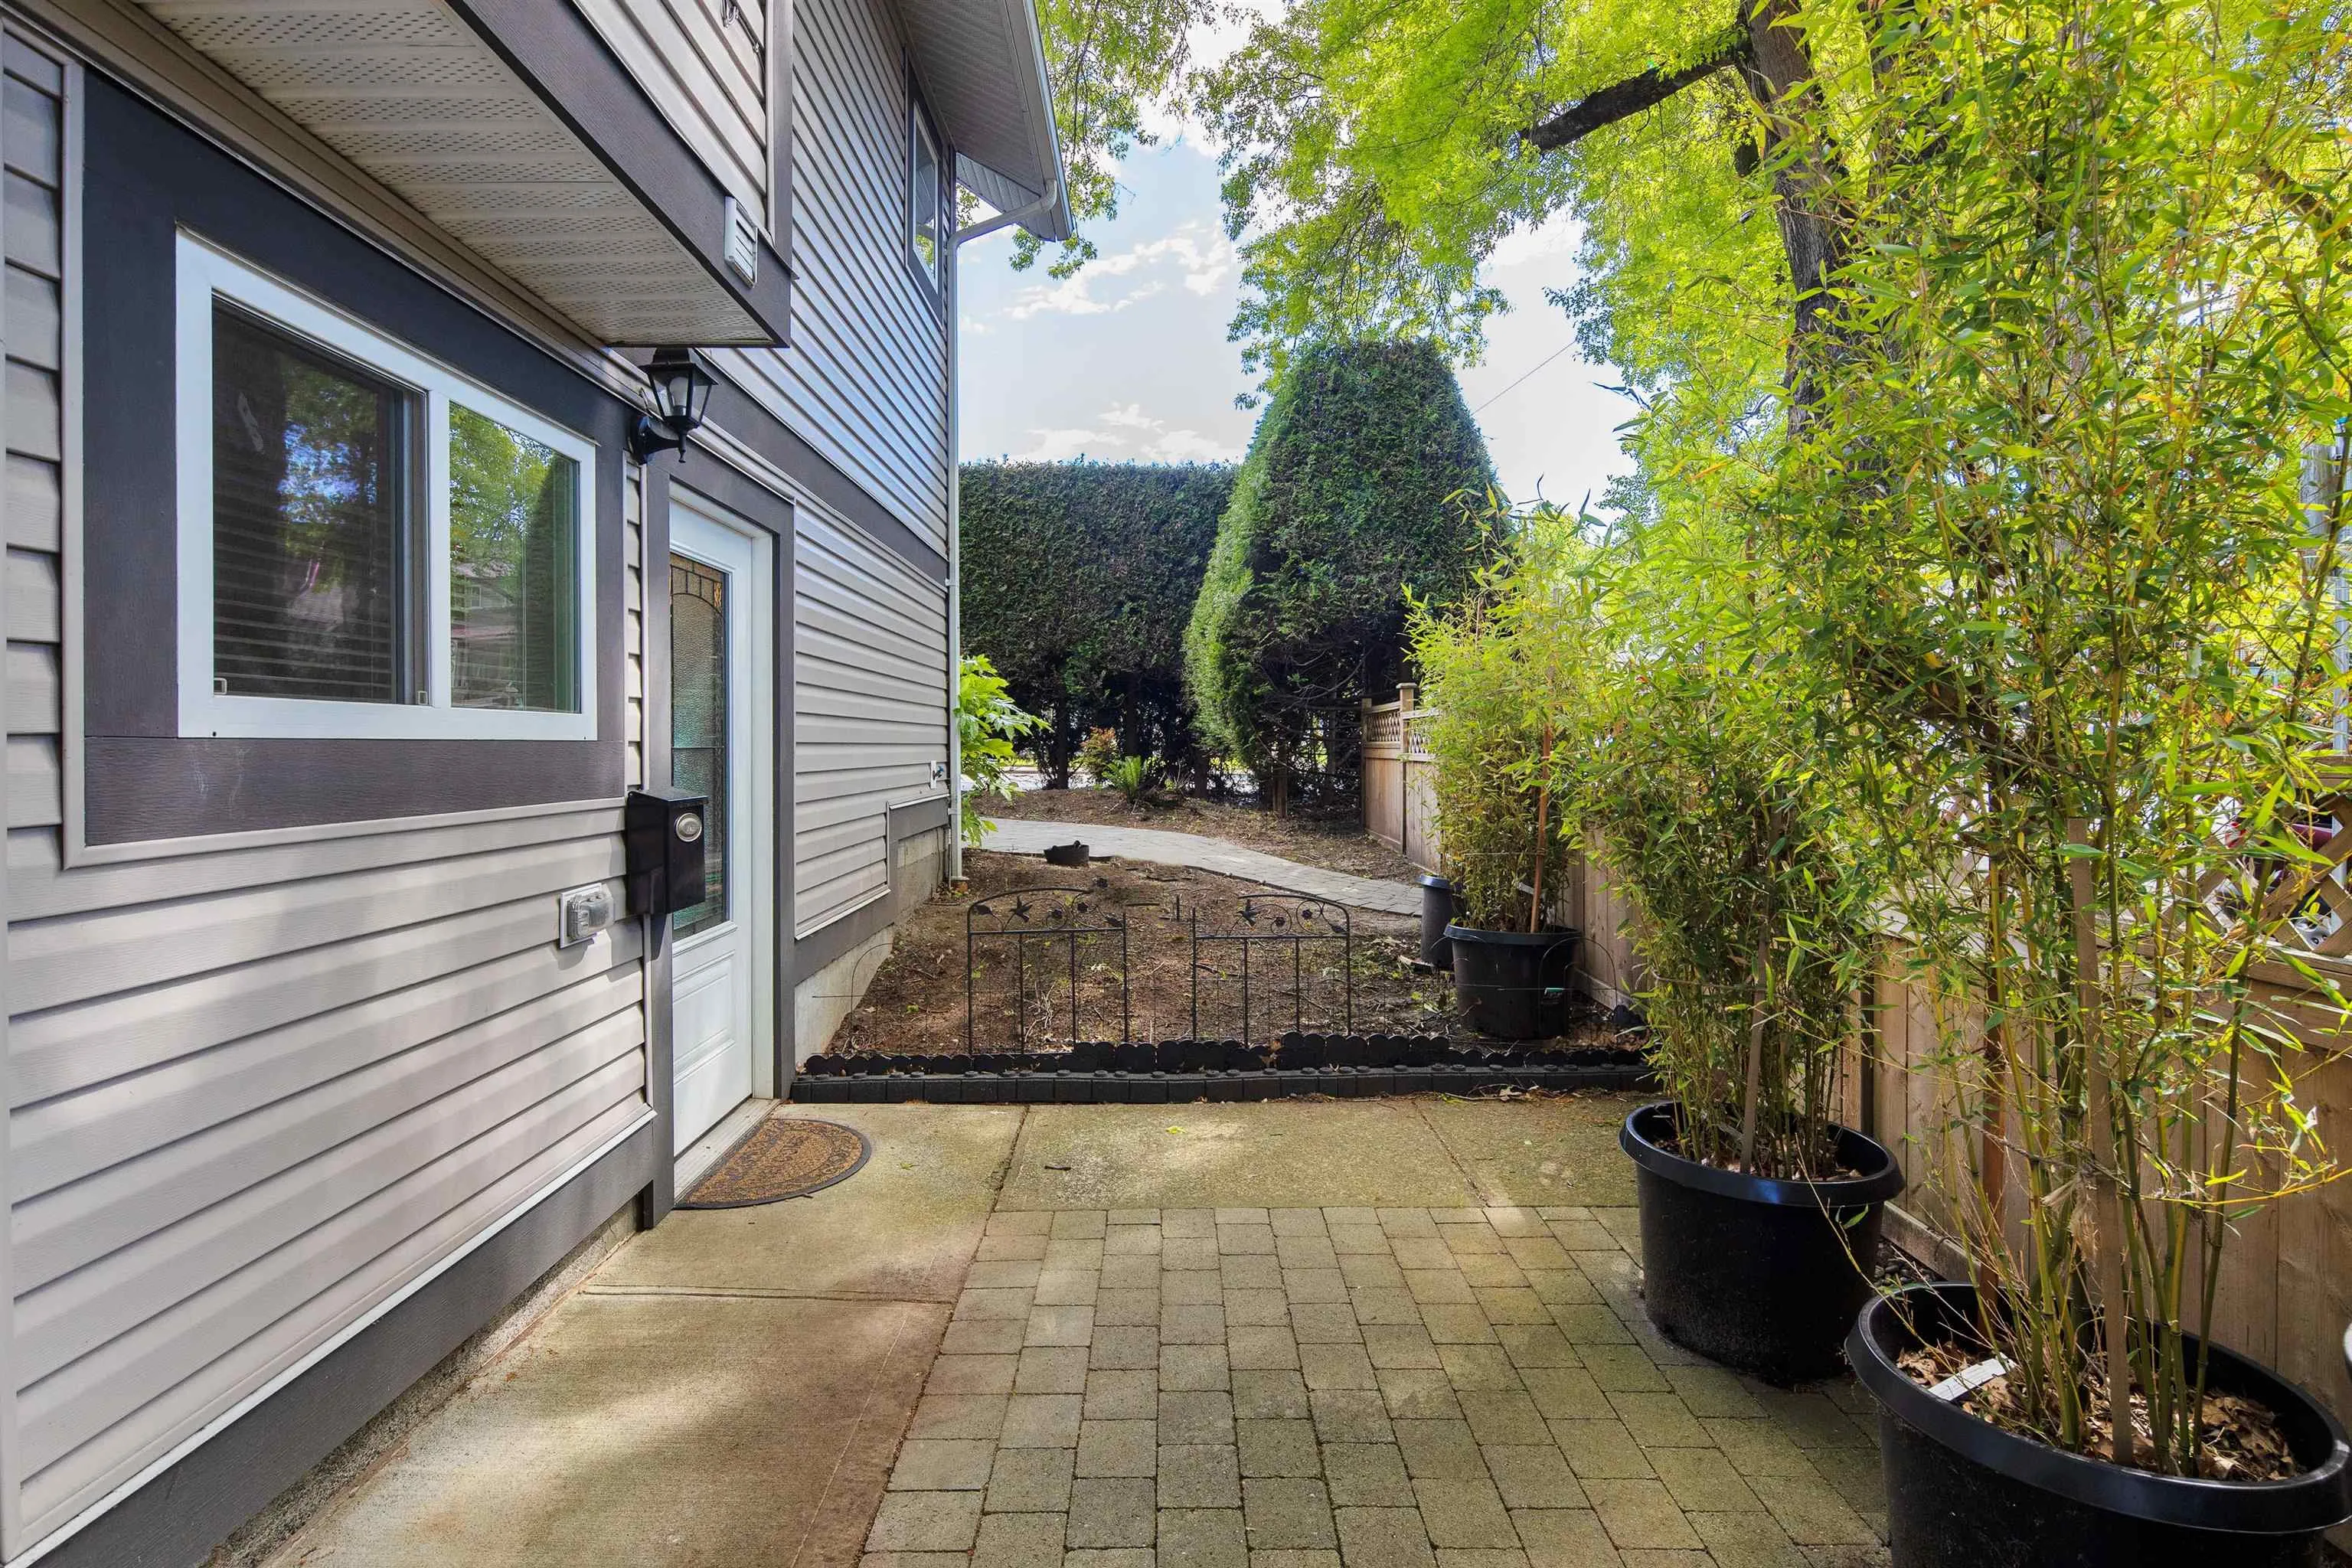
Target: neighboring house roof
point(983, 67)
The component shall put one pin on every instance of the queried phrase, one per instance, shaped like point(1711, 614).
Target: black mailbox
point(667, 830)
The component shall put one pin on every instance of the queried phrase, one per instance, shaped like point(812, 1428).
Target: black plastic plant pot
point(1512, 986)
point(1757, 1273)
point(1962, 1493)
point(1436, 914)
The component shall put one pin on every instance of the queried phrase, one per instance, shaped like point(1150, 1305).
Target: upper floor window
point(926, 216)
point(369, 546)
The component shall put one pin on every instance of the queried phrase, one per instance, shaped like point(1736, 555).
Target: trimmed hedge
point(1077, 581)
point(1353, 493)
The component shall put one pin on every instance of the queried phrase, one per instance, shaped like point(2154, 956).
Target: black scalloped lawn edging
point(1178, 1071)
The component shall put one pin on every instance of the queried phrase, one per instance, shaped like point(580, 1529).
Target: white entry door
point(722, 621)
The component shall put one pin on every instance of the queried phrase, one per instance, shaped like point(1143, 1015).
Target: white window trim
point(921, 136)
point(204, 275)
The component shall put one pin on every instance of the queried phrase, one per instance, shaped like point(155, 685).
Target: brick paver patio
point(1352, 1388)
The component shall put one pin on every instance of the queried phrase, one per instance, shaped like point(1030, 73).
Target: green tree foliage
point(1363, 484)
point(1077, 579)
point(987, 723)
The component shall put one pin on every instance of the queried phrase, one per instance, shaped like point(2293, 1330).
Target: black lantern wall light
point(681, 398)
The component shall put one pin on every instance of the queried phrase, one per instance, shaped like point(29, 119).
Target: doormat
point(784, 1157)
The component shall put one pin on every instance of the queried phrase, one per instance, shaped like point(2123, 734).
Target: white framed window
point(926, 219)
point(371, 546)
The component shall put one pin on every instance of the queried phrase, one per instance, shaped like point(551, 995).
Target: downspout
point(1038, 208)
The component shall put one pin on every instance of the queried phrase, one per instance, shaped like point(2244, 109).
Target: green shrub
point(1362, 485)
point(987, 723)
point(1098, 752)
point(1136, 778)
point(1077, 578)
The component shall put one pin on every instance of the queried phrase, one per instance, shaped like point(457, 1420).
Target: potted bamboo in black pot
point(1759, 1214)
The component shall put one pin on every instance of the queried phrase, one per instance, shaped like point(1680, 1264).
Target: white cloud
point(1195, 253)
point(1126, 434)
point(1554, 239)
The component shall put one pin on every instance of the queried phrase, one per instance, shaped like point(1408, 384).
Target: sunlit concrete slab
point(1550, 1151)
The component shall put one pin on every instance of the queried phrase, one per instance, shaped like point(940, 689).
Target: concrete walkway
point(1013, 837)
point(1399, 1333)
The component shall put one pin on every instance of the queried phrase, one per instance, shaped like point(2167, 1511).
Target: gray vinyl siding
point(864, 380)
point(869, 668)
point(256, 1092)
point(703, 70)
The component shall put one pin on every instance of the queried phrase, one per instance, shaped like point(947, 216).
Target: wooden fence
point(2285, 1294)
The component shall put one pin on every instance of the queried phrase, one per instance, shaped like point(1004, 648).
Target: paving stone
point(1639, 1514)
point(1746, 1540)
point(1131, 1241)
point(1530, 1474)
point(1257, 1308)
point(1622, 1369)
point(959, 1416)
point(1133, 1216)
point(1020, 1541)
point(1127, 1309)
point(1125, 1349)
point(1291, 1514)
point(1561, 1287)
point(1582, 1236)
point(1277, 1448)
point(1600, 1451)
point(1399, 1345)
point(1512, 1304)
point(991, 1275)
point(1475, 1367)
point(1031, 1222)
point(1305, 1252)
point(1439, 1288)
point(1701, 1481)
point(1407, 1223)
point(1192, 1323)
point(1510, 1220)
point(1199, 1288)
point(1504, 1415)
point(1756, 1447)
point(1315, 1284)
point(1659, 1421)
point(985, 1336)
point(1242, 1216)
point(1185, 1253)
point(1350, 1416)
point(1811, 1419)
point(1124, 1557)
point(1069, 1288)
point(1131, 1272)
point(1119, 1448)
point(1536, 1344)
point(1422, 1393)
point(1190, 1223)
point(942, 1465)
point(1202, 1538)
point(1334, 1213)
point(1564, 1538)
point(1297, 1222)
point(1550, 1212)
point(1356, 1238)
point(1006, 1302)
point(972, 1374)
point(914, 1560)
point(1041, 1421)
point(1383, 1538)
point(1111, 1512)
point(925, 1521)
point(1491, 1272)
point(1270, 1395)
point(1199, 1475)
point(1365, 1474)
point(1537, 1248)
point(1088, 1222)
point(1337, 1367)
point(1294, 1559)
point(1061, 1325)
point(1480, 1557)
point(1010, 1249)
point(1239, 1239)
point(1251, 1271)
point(1858, 1478)
point(1468, 1240)
point(1072, 1255)
point(1325, 1322)
point(1811, 1511)
point(1196, 1417)
point(1051, 1369)
point(1193, 1368)
point(1650, 1557)
point(1256, 1348)
point(1457, 1325)
point(1420, 1253)
point(1566, 1394)
point(1379, 1304)
point(1439, 1450)
point(1363, 1271)
point(1030, 1480)
point(1592, 1325)
point(1467, 1512)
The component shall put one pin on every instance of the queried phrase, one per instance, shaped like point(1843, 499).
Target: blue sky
point(1128, 362)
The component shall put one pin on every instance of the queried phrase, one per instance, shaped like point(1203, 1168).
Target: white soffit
point(986, 81)
point(409, 93)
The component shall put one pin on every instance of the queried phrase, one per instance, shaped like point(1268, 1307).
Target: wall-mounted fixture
point(664, 832)
point(681, 396)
